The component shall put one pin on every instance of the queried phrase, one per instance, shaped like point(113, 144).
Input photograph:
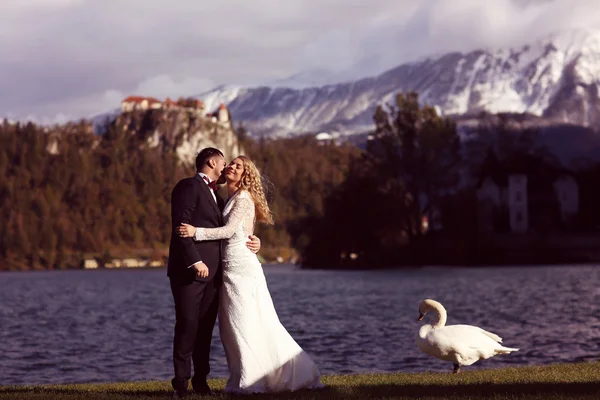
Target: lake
point(117, 325)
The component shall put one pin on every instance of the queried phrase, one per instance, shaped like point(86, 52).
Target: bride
point(262, 356)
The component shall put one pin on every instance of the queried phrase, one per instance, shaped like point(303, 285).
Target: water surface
point(117, 325)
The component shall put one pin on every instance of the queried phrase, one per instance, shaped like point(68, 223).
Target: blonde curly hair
point(252, 182)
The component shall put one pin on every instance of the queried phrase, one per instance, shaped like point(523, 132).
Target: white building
point(328, 138)
point(512, 193)
point(567, 193)
point(90, 264)
point(140, 103)
point(134, 103)
point(223, 114)
point(490, 197)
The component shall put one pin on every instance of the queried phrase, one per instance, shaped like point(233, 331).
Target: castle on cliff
point(139, 103)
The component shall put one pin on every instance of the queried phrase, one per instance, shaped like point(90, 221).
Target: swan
point(459, 344)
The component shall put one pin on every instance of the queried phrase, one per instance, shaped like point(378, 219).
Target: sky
point(67, 59)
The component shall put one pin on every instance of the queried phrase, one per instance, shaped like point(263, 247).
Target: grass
point(552, 382)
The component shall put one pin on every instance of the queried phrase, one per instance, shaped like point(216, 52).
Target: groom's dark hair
point(205, 155)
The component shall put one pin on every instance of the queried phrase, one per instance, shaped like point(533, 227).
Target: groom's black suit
point(196, 299)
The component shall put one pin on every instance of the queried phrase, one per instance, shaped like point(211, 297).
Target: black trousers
point(196, 307)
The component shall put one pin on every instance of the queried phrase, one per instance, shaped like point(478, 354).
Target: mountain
point(310, 78)
point(556, 78)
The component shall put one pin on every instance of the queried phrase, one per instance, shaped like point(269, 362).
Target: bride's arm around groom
point(242, 208)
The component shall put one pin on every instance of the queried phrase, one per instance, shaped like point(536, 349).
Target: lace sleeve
point(243, 207)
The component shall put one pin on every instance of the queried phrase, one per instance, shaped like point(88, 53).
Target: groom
point(195, 271)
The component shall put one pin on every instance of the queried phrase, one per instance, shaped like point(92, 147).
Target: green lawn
point(564, 381)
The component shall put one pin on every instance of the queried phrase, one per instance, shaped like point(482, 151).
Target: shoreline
point(347, 268)
point(431, 250)
point(555, 381)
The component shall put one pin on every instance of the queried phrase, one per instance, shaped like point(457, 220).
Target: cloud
point(439, 26)
point(80, 57)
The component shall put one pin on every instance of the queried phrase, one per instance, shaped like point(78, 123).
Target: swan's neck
point(441, 317)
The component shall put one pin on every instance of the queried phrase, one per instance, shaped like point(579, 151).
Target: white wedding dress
point(262, 356)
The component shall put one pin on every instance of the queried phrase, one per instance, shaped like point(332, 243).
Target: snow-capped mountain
point(306, 79)
point(557, 78)
point(317, 77)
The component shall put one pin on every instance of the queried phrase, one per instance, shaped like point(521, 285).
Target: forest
point(69, 194)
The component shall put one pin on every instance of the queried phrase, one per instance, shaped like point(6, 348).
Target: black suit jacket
point(192, 203)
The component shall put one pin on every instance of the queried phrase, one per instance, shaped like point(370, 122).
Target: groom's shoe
point(203, 390)
point(180, 394)
point(180, 389)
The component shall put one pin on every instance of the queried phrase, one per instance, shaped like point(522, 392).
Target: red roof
point(222, 107)
point(134, 99)
point(139, 99)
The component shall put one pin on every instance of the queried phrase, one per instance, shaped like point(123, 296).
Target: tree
point(364, 221)
point(242, 135)
point(419, 148)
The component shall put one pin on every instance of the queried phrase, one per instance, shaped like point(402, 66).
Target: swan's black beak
point(420, 317)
